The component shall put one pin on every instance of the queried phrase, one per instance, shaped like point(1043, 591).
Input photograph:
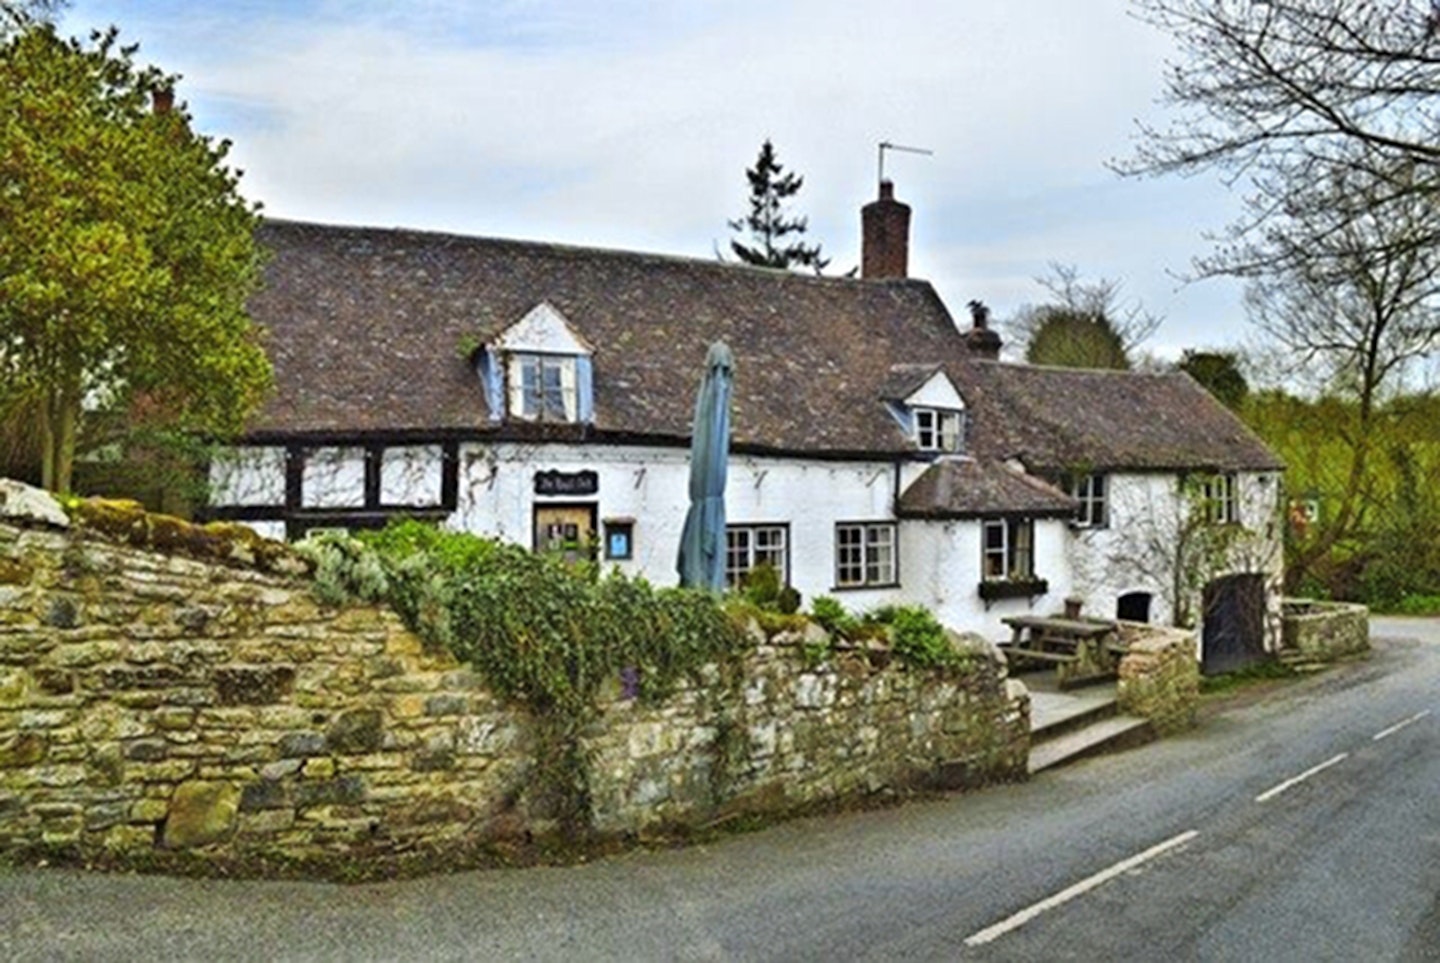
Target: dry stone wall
point(1316, 631)
point(1159, 676)
point(153, 703)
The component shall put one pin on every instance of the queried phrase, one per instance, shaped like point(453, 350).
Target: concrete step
point(1106, 735)
point(1054, 714)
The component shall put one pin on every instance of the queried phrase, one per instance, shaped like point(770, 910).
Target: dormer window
point(538, 369)
point(937, 429)
point(543, 387)
point(926, 406)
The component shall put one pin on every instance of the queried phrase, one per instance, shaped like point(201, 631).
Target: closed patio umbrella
point(701, 560)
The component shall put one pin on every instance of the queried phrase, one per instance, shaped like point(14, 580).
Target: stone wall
point(1323, 631)
point(795, 733)
point(1159, 677)
point(153, 703)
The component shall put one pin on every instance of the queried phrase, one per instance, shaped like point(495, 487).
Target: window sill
point(868, 586)
point(992, 590)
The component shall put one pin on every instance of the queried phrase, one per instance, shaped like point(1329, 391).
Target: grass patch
point(1258, 673)
point(1415, 605)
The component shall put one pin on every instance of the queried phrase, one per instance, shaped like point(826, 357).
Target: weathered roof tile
point(369, 330)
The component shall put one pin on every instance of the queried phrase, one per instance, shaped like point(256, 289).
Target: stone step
point(1107, 735)
point(1053, 714)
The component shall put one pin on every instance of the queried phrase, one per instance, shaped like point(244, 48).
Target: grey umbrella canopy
point(702, 544)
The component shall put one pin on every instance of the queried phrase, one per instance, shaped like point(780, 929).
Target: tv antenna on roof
point(886, 145)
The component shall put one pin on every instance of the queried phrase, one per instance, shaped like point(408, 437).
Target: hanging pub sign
point(566, 483)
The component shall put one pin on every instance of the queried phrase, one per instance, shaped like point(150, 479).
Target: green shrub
point(761, 585)
point(1419, 605)
point(788, 601)
point(541, 630)
point(831, 616)
point(918, 637)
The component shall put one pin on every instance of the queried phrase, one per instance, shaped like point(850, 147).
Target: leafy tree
point(16, 14)
point(769, 223)
point(1085, 326)
point(126, 254)
point(1303, 101)
point(1355, 321)
point(1218, 373)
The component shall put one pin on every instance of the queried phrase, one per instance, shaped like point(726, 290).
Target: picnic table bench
point(1080, 649)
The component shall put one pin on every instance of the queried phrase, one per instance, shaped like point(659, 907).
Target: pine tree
point(769, 223)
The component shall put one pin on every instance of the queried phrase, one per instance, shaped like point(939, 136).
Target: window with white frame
point(1218, 494)
point(747, 546)
point(864, 554)
point(1090, 492)
point(938, 429)
point(1007, 550)
point(543, 387)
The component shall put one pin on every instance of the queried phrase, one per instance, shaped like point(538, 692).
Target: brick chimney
point(982, 340)
point(162, 100)
point(885, 236)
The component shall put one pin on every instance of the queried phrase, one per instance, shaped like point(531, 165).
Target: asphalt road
point(1283, 829)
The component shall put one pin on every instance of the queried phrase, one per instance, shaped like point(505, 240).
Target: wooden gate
point(1233, 633)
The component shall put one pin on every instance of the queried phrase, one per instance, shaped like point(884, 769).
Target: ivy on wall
point(542, 631)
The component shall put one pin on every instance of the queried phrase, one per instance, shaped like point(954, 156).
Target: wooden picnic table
point(1077, 648)
point(1041, 628)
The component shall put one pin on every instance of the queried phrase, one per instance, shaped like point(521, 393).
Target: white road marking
point(1084, 886)
point(1399, 725)
point(1287, 784)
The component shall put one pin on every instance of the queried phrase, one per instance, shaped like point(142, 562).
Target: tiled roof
point(906, 379)
point(369, 331)
point(965, 488)
point(1065, 419)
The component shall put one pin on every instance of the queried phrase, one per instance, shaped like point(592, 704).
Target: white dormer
point(543, 330)
point(937, 415)
point(539, 368)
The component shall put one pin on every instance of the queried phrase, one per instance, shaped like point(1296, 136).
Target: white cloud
point(628, 125)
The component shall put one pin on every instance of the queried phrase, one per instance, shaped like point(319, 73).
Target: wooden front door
point(1233, 632)
point(568, 529)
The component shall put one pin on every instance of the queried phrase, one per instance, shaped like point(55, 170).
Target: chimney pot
point(885, 236)
point(980, 339)
point(162, 100)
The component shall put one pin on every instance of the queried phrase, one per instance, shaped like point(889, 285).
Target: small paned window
point(1089, 491)
point(1007, 549)
point(864, 554)
point(747, 546)
point(1218, 493)
point(937, 429)
point(543, 387)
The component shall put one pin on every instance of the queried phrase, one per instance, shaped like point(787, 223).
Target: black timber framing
point(372, 513)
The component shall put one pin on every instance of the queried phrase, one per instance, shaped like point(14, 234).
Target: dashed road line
point(1399, 725)
point(1290, 783)
point(1018, 920)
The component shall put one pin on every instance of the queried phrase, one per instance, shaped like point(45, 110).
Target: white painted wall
point(1135, 552)
point(939, 560)
point(249, 475)
point(411, 475)
point(333, 478)
point(940, 569)
point(937, 392)
point(651, 485)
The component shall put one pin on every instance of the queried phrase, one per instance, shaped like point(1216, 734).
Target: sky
point(629, 123)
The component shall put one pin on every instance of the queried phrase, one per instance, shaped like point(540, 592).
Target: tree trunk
point(59, 421)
